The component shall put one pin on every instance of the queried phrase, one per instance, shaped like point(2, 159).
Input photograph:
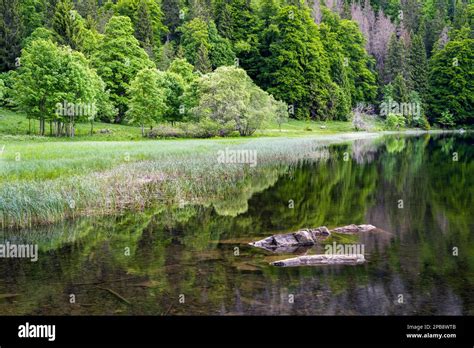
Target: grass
point(15, 126)
point(56, 180)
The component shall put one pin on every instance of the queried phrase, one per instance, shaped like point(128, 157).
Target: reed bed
point(58, 181)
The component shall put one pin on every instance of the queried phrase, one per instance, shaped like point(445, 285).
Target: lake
point(195, 259)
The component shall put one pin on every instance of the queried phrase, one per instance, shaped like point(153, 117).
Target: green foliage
point(204, 47)
point(418, 65)
point(2, 90)
point(344, 45)
point(235, 19)
point(66, 23)
point(446, 119)
point(8, 87)
point(148, 95)
point(144, 27)
point(417, 117)
point(322, 70)
point(146, 16)
point(50, 75)
point(451, 82)
point(118, 59)
point(181, 67)
point(395, 121)
point(40, 33)
point(89, 10)
point(171, 15)
point(33, 14)
point(10, 34)
point(396, 63)
point(221, 52)
point(175, 109)
point(400, 89)
point(229, 97)
point(296, 69)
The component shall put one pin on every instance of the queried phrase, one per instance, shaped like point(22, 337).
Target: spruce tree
point(171, 19)
point(10, 34)
point(395, 61)
point(202, 62)
point(400, 89)
point(88, 9)
point(418, 65)
point(66, 23)
point(144, 28)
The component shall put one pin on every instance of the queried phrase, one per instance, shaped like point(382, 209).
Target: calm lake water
point(195, 259)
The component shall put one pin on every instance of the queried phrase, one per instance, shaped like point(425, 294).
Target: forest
point(223, 66)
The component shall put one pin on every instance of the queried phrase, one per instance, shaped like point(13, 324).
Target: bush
point(204, 129)
point(166, 131)
point(394, 121)
point(421, 122)
point(446, 120)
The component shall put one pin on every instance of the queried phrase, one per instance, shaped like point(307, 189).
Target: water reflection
point(199, 255)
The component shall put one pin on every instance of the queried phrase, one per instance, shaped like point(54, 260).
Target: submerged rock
point(306, 237)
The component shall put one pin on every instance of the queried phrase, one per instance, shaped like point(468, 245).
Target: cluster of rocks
point(306, 237)
point(302, 240)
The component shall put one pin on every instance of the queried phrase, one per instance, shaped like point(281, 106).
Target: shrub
point(446, 119)
point(395, 121)
point(421, 122)
point(166, 131)
point(205, 129)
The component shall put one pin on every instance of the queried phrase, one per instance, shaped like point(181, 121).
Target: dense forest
point(226, 65)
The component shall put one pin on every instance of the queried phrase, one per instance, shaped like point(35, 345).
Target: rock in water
point(314, 260)
point(306, 237)
point(352, 229)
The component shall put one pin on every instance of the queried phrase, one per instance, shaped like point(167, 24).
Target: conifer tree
point(10, 34)
point(418, 65)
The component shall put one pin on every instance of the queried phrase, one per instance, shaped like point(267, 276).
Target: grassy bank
point(51, 181)
point(15, 126)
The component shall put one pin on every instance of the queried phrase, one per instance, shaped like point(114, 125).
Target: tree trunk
point(143, 131)
point(313, 260)
point(42, 127)
point(92, 127)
